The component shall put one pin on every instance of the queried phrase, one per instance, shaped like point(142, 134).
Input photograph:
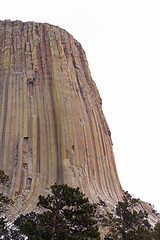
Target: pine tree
point(4, 201)
point(68, 215)
point(156, 232)
point(129, 223)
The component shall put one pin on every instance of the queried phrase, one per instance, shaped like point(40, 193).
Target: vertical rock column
point(52, 128)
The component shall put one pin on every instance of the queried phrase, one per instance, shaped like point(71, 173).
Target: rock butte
point(52, 128)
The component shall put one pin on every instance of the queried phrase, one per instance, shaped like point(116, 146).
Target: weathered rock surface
point(52, 128)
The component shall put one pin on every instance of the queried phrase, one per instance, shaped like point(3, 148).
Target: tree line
point(66, 214)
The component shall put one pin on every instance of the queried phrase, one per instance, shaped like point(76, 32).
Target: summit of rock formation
point(52, 128)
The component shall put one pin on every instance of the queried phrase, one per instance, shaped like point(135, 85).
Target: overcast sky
point(122, 41)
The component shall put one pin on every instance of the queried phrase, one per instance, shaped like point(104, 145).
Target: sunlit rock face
point(52, 128)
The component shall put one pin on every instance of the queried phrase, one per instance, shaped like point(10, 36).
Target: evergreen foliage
point(4, 201)
point(3, 177)
point(68, 215)
point(156, 232)
point(130, 223)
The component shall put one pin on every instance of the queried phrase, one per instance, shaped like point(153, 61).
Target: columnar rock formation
point(52, 128)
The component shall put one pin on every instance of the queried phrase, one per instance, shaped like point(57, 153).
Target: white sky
point(122, 42)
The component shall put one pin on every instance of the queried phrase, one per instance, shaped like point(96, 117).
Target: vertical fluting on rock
point(52, 128)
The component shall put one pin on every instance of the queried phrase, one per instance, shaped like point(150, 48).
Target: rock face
point(52, 128)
